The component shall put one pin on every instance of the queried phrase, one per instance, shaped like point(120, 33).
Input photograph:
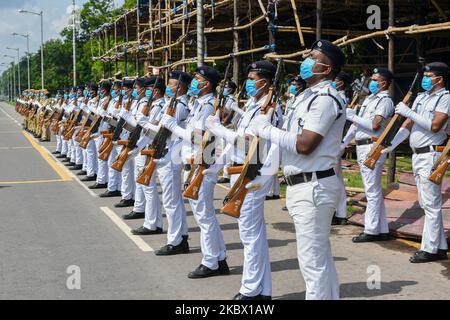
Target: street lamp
point(28, 54)
point(13, 72)
point(18, 65)
point(41, 14)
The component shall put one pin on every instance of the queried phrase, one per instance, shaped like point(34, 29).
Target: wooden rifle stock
point(441, 165)
point(94, 126)
point(107, 144)
point(147, 174)
point(235, 170)
point(391, 129)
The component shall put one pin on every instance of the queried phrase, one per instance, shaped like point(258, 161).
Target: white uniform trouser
point(84, 152)
point(274, 186)
point(114, 177)
point(153, 212)
point(341, 210)
point(430, 199)
point(91, 158)
point(78, 150)
point(211, 238)
point(256, 276)
point(223, 145)
point(102, 166)
point(169, 175)
point(375, 221)
point(128, 183)
point(311, 206)
point(71, 150)
point(58, 143)
point(139, 194)
point(64, 147)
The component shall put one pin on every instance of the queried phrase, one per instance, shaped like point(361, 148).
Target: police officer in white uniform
point(101, 110)
point(297, 86)
point(58, 107)
point(310, 147)
point(70, 106)
point(64, 145)
point(77, 151)
point(114, 177)
point(256, 278)
point(375, 112)
point(426, 125)
point(169, 171)
point(91, 149)
point(211, 238)
point(85, 108)
point(153, 223)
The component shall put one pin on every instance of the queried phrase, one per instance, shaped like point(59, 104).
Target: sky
point(55, 19)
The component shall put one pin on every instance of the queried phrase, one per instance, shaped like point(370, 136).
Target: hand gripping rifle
point(194, 184)
point(238, 97)
point(87, 121)
point(252, 164)
point(440, 166)
point(384, 141)
point(107, 145)
point(130, 144)
point(157, 148)
point(72, 125)
point(94, 126)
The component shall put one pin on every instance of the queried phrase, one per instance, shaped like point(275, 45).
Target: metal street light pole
point(74, 45)
point(13, 72)
point(41, 14)
point(28, 54)
point(18, 67)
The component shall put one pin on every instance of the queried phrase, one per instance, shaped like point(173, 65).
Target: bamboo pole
point(235, 43)
point(391, 66)
point(297, 23)
point(235, 28)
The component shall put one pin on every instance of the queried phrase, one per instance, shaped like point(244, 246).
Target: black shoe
point(240, 296)
point(82, 173)
point(143, 231)
point(77, 167)
point(64, 159)
point(203, 272)
point(110, 194)
point(169, 249)
point(124, 203)
point(364, 237)
point(61, 156)
point(99, 186)
point(338, 221)
point(134, 216)
point(423, 256)
point(56, 152)
point(223, 267)
point(272, 197)
point(223, 180)
point(70, 164)
point(86, 179)
point(285, 208)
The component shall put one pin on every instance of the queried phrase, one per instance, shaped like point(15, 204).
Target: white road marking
point(17, 122)
point(141, 244)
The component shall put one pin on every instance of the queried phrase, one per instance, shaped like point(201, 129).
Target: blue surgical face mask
point(113, 94)
point(307, 66)
point(194, 88)
point(374, 87)
point(334, 84)
point(135, 94)
point(169, 92)
point(292, 89)
point(85, 93)
point(65, 96)
point(250, 87)
point(123, 93)
point(427, 83)
point(148, 93)
point(226, 92)
point(71, 96)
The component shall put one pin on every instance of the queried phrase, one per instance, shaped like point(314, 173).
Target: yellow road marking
point(409, 243)
point(32, 182)
point(44, 154)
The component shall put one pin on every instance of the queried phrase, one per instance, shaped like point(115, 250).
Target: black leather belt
point(364, 142)
point(307, 177)
point(235, 164)
point(187, 167)
point(425, 149)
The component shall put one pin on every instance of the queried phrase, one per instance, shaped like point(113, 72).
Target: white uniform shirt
point(426, 105)
point(379, 104)
point(324, 117)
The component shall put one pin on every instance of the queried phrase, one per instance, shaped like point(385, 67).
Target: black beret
point(438, 68)
point(61, 92)
point(384, 72)
point(297, 79)
point(209, 73)
point(331, 50)
point(232, 85)
point(141, 82)
point(265, 68)
point(118, 83)
point(106, 85)
point(185, 77)
point(128, 83)
point(344, 76)
point(158, 83)
point(81, 87)
point(73, 88)
point(66, 89)
point(93, 86)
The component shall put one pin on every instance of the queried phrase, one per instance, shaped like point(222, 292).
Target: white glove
point(213, 170)
point(124, 113)
point(401, 136)
point(349, 136)
point(213, 122)
point(261, 126)
point(236, 109)
point(213, 125)
point(402, 109)
point(366, 124)
point(95, 136)
point(151, 127)
point(168, 122)
point(142, 120)
point(114, 143)
point(258, 183)
point(350, 113)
